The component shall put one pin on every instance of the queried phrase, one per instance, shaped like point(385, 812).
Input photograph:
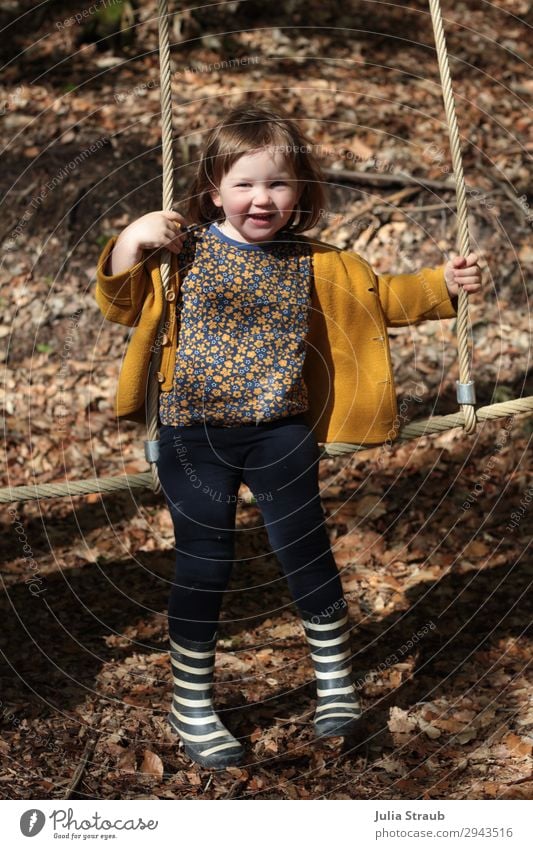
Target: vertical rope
point(152, 400)
point(463, 237)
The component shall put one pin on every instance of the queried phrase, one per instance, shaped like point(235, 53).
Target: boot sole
point(219, 763)
point(347, 729)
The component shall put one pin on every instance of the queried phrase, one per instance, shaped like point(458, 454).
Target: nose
point(262, 196)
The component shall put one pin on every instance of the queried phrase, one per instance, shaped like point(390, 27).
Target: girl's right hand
point(161, 229)
point(155, 230)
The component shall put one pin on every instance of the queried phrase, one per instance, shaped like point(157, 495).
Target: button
point(164, 339)
point(159, 376)
point(170, 296)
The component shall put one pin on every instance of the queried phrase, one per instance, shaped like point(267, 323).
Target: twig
point(234, 787)
point(519, 209)
point(304, 722)
point(76, 778)
point(430, 207)
point(525, 780)
point(344, 175)
point(390, 200)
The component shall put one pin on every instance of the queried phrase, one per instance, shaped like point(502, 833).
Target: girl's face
point(258, 195)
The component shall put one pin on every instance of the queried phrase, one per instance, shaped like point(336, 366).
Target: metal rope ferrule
point(466, 392)
point(151, 450)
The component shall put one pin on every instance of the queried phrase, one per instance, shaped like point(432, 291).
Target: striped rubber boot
point(338, 708)
point(204, 737)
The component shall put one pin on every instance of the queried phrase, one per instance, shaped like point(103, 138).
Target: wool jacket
point(347, 368)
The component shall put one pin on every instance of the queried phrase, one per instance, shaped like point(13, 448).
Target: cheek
point(236, 203)
point(290, 200)
point(226, 201)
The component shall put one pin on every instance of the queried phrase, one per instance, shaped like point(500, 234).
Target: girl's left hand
point(462, 273)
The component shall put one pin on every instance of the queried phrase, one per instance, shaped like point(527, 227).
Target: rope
point(83, 487)
point(438, 424)
point(422, 427)
point(152, 400)
point(463, 238)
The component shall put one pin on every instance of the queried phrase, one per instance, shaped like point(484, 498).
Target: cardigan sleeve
point(404, 298)
point(412, 298)
point(120, 296)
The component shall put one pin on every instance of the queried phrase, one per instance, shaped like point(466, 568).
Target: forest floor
point(431, 536)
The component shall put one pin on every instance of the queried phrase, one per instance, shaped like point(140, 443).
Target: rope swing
point(467, 416)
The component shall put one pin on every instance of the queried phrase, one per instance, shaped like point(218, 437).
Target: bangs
point(248, 129)
point(243, 139)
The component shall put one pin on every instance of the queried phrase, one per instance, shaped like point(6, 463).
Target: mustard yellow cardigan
point(347, 368)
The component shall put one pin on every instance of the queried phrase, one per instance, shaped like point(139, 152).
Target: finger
point(176, 217)
point(174, 231)
point(469, 281)
point(174, 240)
point(174, 224)
point(472, 259)
point(175, 247)
point(468, 270)
point(465, 273)
point(472, 287)
point(458, 261)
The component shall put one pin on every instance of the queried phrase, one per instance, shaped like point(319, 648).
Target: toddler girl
point(273, 342)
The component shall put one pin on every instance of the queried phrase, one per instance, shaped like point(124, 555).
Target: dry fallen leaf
point(126, 761)
point(518, 746)
point(469, 733)
point(365, 507)
point(428, 729)
point(393, 766)
point(476, 549)
point(400, 721)
point(151, 764)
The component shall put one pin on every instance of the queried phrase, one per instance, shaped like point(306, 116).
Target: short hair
point(248, 127)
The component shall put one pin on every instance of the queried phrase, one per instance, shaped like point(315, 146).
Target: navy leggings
point(200, 468)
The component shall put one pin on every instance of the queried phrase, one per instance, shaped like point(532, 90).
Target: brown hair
point(245, 128)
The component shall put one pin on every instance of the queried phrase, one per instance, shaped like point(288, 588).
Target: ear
point(215, 197)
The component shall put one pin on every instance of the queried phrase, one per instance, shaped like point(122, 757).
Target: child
point(282, 343)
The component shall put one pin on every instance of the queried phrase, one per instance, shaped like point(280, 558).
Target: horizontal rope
point(82, 487)
point(437, 424)
point(422, 427)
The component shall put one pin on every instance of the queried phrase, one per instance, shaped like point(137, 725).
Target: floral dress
point(243, 316)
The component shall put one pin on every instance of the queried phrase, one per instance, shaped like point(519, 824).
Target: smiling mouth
point(263, 218)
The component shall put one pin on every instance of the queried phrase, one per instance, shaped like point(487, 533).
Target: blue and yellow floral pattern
point(243, 313)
